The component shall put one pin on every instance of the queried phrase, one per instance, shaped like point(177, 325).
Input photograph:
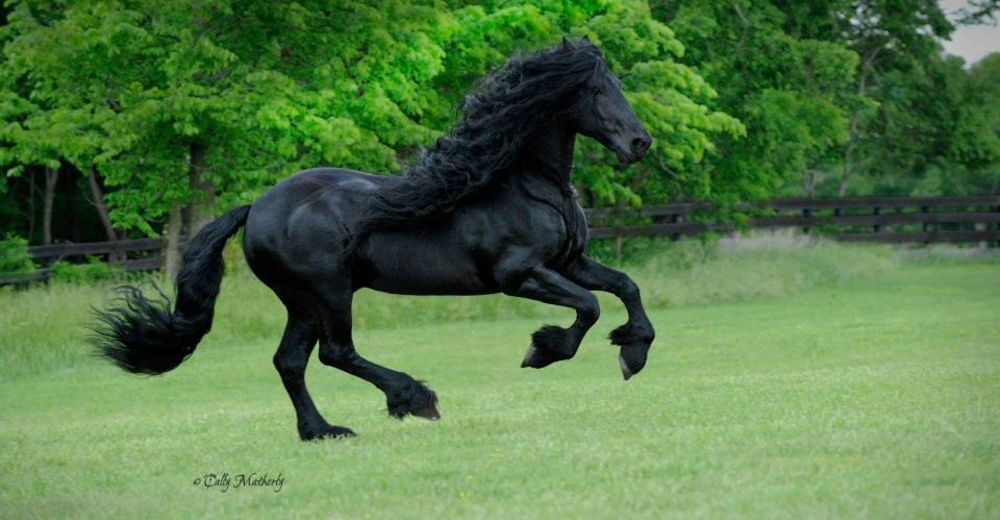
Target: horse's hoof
point(632, 359)
point(625, 370)
point(429, 412)
point(529, 356)
point(538, 358)
point(548, 345)
point(329, 432)
point(415, 399)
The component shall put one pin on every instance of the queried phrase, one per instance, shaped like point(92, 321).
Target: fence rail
point(868, 219)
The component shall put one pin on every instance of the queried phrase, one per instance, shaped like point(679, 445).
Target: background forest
point(139, 118)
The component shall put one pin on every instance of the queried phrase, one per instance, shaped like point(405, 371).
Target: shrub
point(14, 257)
point(94, 270)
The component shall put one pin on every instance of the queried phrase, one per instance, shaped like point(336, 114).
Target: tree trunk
point(32, 189)
point(97, 199)
point(854, 126)
point(102, 208)
point(51, 178)
point(172, 247)
point(845, 175)
point(849, 152)
point(71, 207)
point(809, 182)
point(200, 211)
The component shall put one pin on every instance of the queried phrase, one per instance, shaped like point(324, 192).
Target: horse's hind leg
point(293, 354)
point(404, 395)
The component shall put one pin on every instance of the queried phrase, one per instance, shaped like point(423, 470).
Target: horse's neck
point(548, 152)
point(542, 171)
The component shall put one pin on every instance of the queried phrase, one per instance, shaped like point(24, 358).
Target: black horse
point(490, 208)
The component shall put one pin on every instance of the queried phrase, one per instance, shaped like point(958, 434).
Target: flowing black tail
point(143, 336)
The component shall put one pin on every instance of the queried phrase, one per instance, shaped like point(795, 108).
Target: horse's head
point(602, 113)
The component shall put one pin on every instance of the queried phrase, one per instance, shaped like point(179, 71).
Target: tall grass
point(45, 328)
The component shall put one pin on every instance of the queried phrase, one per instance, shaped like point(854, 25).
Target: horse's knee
point(590, 311)
point(627, 289)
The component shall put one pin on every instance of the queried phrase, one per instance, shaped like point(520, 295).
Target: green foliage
point(93, 270)
point(14, 258)
point(265, 91)
point(791, 91)
point(672, 101)
point(177, 103)
point(976, 142)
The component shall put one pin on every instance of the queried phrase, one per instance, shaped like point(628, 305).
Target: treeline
point(142, 117)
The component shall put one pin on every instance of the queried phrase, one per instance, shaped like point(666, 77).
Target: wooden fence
point(871, 219)
point(144, 252)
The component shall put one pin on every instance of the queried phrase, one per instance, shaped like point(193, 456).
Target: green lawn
point(873, 397)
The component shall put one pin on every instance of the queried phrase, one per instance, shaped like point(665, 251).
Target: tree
point(791, 90)
point(974, 151)
point(179, 104)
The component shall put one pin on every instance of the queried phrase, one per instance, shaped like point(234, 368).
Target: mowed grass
point(870, 395)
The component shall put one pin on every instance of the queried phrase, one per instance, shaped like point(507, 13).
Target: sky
point(970, 42)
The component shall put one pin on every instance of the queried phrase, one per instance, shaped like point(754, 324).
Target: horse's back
point(304, 222)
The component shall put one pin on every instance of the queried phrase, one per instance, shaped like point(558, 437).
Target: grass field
point(870, 389)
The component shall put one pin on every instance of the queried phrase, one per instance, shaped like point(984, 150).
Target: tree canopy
point(158, 112)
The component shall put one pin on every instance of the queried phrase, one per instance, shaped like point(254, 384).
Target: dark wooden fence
point(141, 254)
point(871, 219)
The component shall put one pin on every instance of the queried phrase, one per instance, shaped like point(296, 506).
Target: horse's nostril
point(640, 145)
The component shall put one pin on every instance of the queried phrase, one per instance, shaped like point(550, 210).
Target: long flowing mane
point(497, 118)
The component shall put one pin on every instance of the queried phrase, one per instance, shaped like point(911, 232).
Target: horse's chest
point(574, 237)
point(558, 217)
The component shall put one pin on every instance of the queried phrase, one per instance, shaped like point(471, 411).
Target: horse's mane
point(497, 118)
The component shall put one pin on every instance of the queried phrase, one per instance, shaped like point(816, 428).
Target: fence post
point(927, 225)
point(996, 209)
point(806, 212)
point(676, 218)
point(981, 226)
point(876, 228)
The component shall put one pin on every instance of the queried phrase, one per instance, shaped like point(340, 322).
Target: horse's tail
point(144, 336)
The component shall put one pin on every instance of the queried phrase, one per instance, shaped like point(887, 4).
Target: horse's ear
point(566, 45)
point(586, 39)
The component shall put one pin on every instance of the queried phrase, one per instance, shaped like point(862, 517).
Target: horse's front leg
point(636, 335)
point(552, 343)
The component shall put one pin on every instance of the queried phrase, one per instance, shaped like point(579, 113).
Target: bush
point(94, 270)
point(14, 257)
